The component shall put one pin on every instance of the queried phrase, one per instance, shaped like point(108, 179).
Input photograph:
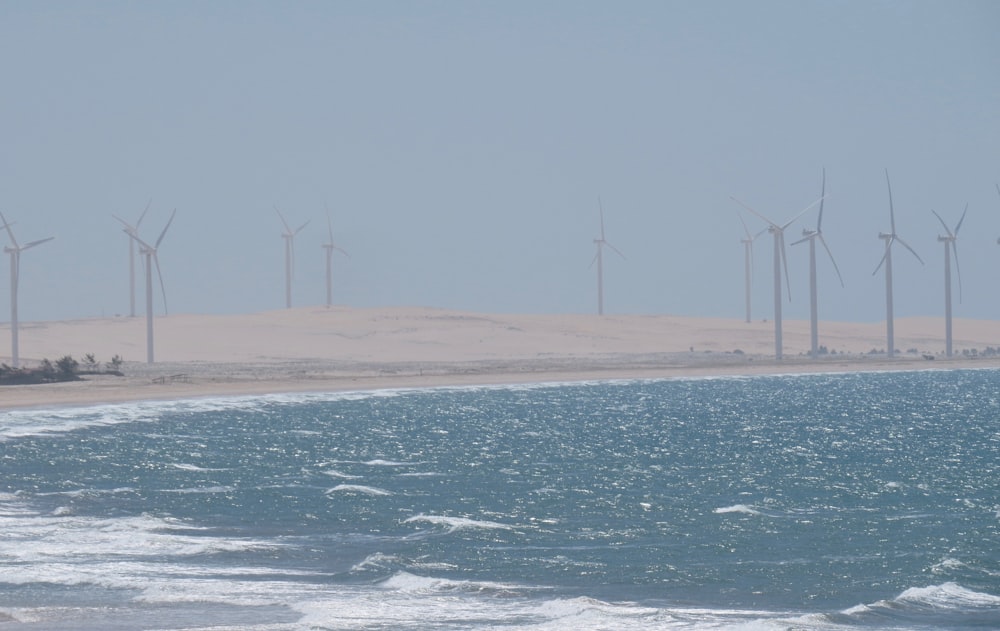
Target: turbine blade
point(822, 194)
point(615, 250)
point(136, 238)
point(163, 290)
point(959, 225)
point(165, 228)
point(753, 211)
point(892, 214)
point(912, 251)
point(600, 207)
point(329, 225)
point(342, 251)
point(836, 269)
point(148, 204)
point(34, 243)
point(745, 228)
point(128, 228)
point(282, 217)
point(805, 238)
point(946, 228)
point(10, 232)
point(888, 246)
point(804, 211)
point(299, 229)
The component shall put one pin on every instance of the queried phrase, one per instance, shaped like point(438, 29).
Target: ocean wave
point(412, 583)
point(333, 473)
point(457, 523)
point(183, 466)
point(358, 488)
point(945, 605)
point(737, 508)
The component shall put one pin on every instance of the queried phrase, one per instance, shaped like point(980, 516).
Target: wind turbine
point(778, 230)
point(890, 238)
point(132, 229)
point(150, 252)
point(950, 247)
point(15, 271)
point(748, 259)
point(601, 242)
point(289, 236)
point(811, 236)
point(330, 247)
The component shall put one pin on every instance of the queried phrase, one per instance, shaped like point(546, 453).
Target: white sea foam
point(737, 508)
point(456, 523)
point(948, 595)
point(333, 473)
point(358, 488)
point(183, 466)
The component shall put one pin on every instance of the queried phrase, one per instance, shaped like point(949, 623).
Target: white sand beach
point(320, 349)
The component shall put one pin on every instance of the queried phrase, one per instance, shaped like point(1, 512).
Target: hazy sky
point(462, 146)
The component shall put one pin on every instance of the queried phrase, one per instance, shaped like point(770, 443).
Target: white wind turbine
point(150, 252)
point(811, 236)
point(748, 259)
point(599, 258)
point(950, 248)
point(330, 247)
point(130, 229)
point(778, 230)
point(289, 236)
point(15, 272)
point(890, 238)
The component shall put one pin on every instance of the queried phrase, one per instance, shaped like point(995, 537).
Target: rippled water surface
point(822, 501)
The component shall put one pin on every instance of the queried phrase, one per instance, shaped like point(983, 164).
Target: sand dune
point(344, 348)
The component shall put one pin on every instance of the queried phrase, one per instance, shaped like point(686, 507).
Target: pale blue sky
point(462, 147)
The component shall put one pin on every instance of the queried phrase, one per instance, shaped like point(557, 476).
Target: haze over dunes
point(314, 348)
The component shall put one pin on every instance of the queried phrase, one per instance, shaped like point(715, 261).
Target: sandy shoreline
point(339, 349)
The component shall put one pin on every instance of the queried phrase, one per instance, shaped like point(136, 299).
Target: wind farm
point(783, 287)
point(778, 233)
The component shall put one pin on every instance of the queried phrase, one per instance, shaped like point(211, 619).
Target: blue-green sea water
point(849, 501)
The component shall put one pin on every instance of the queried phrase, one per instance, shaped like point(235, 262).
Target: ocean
point(833, 501)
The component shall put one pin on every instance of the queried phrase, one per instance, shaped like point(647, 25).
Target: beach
point(340, 348)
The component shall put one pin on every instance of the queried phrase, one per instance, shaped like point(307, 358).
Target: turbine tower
point(950, 247)
point(15, 272)
point(890, 238)
point(811, 236)
point(330, 247)
point(778, 230)
point(150, 252)
point(289, 236)
point(601, 242)
point(130, 229)
point(748, 259)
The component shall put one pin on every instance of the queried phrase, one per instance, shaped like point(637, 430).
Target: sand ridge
point(341, 348)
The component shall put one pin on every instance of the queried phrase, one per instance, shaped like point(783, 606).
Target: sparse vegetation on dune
point(63, 369)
